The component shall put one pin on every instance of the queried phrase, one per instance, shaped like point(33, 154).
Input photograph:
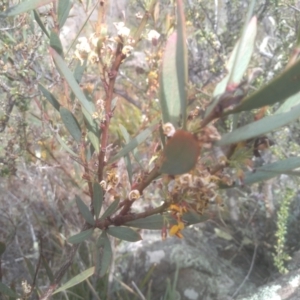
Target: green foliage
point(82, 122)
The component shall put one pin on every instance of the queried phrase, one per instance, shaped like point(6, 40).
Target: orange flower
point(176, 229)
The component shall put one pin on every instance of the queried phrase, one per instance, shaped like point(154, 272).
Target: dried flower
point(169, 129)
point(134, 194)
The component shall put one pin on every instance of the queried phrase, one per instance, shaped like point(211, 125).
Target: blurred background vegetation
point(258, 227)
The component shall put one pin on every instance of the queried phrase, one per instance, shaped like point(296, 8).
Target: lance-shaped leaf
point(97, 198)
point(40, 23)
point(65, 71)
point(94, 140)
point(79, 70)
point(288, 104)
point(180, 154)
point(71, 123)
point(76, 280)
point(272, 170)
point(134, 142)
point(55, 43)
point(81, 236)
point(49, 96)
point(63, 10)
point(259, 127)
point(154, 222)
point(105, 254)
point(24, 7)
point(173, 104)
point(84, 210)
point(124, 233)
point(65, 146)
point(238, 61)
point(182, 61)
point(157, 222)
point(280, 88)
point(111, 209)
point(5, 290)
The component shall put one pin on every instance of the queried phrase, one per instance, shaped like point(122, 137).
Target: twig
point(248, 274)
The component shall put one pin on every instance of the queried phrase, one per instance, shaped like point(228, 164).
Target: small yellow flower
point(176, 229)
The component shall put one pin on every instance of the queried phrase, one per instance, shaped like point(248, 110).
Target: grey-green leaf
point(40, 23)
point(169, 97)
point(65, 71)
point(97, 198)
point(280, 88)
point(63, 10)
point(105, 255)
point(65, 146)
point(76, 280)
point(81, 236)
point(24, 7)
point(55, 43)
point(154, 222)
point(111, 209)
point(134, 142)
point(5, 290)
point(94, 140)
point(272, 170)
point(124, 233)
point(71, 123)
point(49, 96)
point(259, 127)
point(182, 61)
point(84, 210)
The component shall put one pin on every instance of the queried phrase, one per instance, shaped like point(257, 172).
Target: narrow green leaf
point(97, 198)
point(259, 127)
point(49, 96)
point(64, 145)
point(24, 7)
point(141, 137)
point(125, 133)
point(84, 210)
point(192, 217)
point(111, 209)
point(5, 290)
point(170, 102)
point(124, 233)
point(280, 88)
point(81, 236)
point(288, 104)
point(105, 254)
point(76, 280)
point(65, 71)
point(2, 248)
point(181, 61)
point(55, 43)
point(71, 123)
point(244, 50)
point(272, 170)
point(180, 154)
point(40, 23)
point(128, 168)
point(238, 61)
point(63, 10)
point(155, 222)
point(79, 70)
point(48, 269)
point(94, 140)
